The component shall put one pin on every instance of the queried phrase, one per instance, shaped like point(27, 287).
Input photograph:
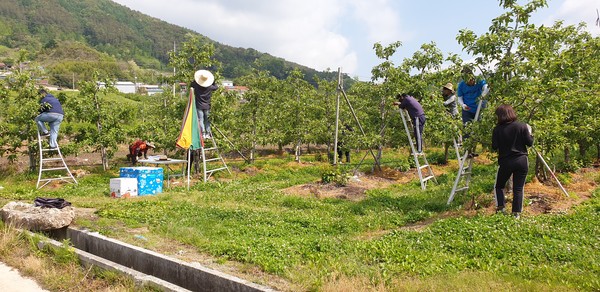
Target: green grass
point(311, 241)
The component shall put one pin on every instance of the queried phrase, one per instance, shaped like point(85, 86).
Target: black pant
point(418, 126)
point(346, 152)
point(343, 150)
point(517, 167)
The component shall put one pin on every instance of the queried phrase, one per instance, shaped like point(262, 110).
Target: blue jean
point(53, 120)
point(467, 116)
point(203, 120)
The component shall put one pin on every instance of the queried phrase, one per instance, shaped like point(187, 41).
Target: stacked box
point(149, 179)
point(123, 187)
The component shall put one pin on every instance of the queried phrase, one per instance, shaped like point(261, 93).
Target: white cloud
point(577, 11)
point(380, 21)
point(301, 31)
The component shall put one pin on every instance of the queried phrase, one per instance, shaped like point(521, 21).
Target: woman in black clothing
point(511, 139)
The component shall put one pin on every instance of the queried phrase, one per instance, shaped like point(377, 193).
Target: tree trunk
point(104, 158)
point(253, 148)
point(446, 146)
point(377, 165)
point(31, 150)
point(99, 127)
point(567, 155)
point(583, 146)
point(298, 151)
point(32, 158)
point(196, 161)
point(540, 171)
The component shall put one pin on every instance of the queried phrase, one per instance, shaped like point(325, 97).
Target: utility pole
point(174, 51)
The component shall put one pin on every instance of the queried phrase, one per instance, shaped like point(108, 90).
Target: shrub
point(337, 176)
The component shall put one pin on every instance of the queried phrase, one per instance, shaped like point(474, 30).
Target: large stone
point(28, 216)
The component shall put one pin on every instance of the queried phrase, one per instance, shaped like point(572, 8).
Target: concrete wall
point(195, 278)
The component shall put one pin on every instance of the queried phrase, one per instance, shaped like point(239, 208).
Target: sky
point(327, 34)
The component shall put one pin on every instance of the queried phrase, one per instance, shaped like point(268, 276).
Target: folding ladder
point(416, 155)
point(457, 146)
point(216, 156)
point(44, 164)
point(465, 166)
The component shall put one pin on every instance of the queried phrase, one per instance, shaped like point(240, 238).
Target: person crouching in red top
point(137, 149)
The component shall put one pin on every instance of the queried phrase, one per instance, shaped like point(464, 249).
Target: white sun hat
point(204, 78)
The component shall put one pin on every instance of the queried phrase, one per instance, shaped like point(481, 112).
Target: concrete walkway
point(11, 280)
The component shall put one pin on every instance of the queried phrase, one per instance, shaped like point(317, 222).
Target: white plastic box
point(123, 187)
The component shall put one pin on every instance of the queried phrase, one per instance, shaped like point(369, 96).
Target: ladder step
point(462, 189)
point(49, 149)
point(212, 159)
point(56, 178)
point(211, 148)
point(216, 169)
point(424, 166)
point(428, 178)
point(52, 159)
point(54, 168)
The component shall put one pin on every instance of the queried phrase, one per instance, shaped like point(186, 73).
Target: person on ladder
point(203, 85)
point(469, 93)
point(51, 112)
point(450, 103)
point(450, 99)
point(511, 138)
point(417, 116)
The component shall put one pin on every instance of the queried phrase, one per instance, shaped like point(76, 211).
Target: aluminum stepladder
point(425, 165)
point(51, 160)
point(207, 149)
point(465, 165)
point(457, 146)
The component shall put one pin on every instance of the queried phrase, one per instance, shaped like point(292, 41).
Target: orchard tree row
point(550, 75)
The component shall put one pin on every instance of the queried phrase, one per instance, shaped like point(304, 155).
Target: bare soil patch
point(540, 198)
point(356, 187)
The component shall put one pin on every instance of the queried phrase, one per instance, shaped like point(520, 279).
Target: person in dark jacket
point(203, 85)
point(342, 147)
point(51, 112)
point(511, 139)
point(417, 116)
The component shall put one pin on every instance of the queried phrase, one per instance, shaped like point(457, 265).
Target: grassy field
point(393, 237)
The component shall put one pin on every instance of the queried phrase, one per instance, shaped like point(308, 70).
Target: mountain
point(120, 33)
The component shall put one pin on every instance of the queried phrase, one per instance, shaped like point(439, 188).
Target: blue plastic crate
point(149, 179)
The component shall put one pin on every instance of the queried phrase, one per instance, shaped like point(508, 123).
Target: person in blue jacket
point(51, 112)
point(469, 92)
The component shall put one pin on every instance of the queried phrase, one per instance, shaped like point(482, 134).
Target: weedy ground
point(273, 222)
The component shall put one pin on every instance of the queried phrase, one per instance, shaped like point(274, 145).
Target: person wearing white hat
point(203, 85)
point(449, 99)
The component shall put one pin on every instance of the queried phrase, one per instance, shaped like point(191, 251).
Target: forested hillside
point(41, 27)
